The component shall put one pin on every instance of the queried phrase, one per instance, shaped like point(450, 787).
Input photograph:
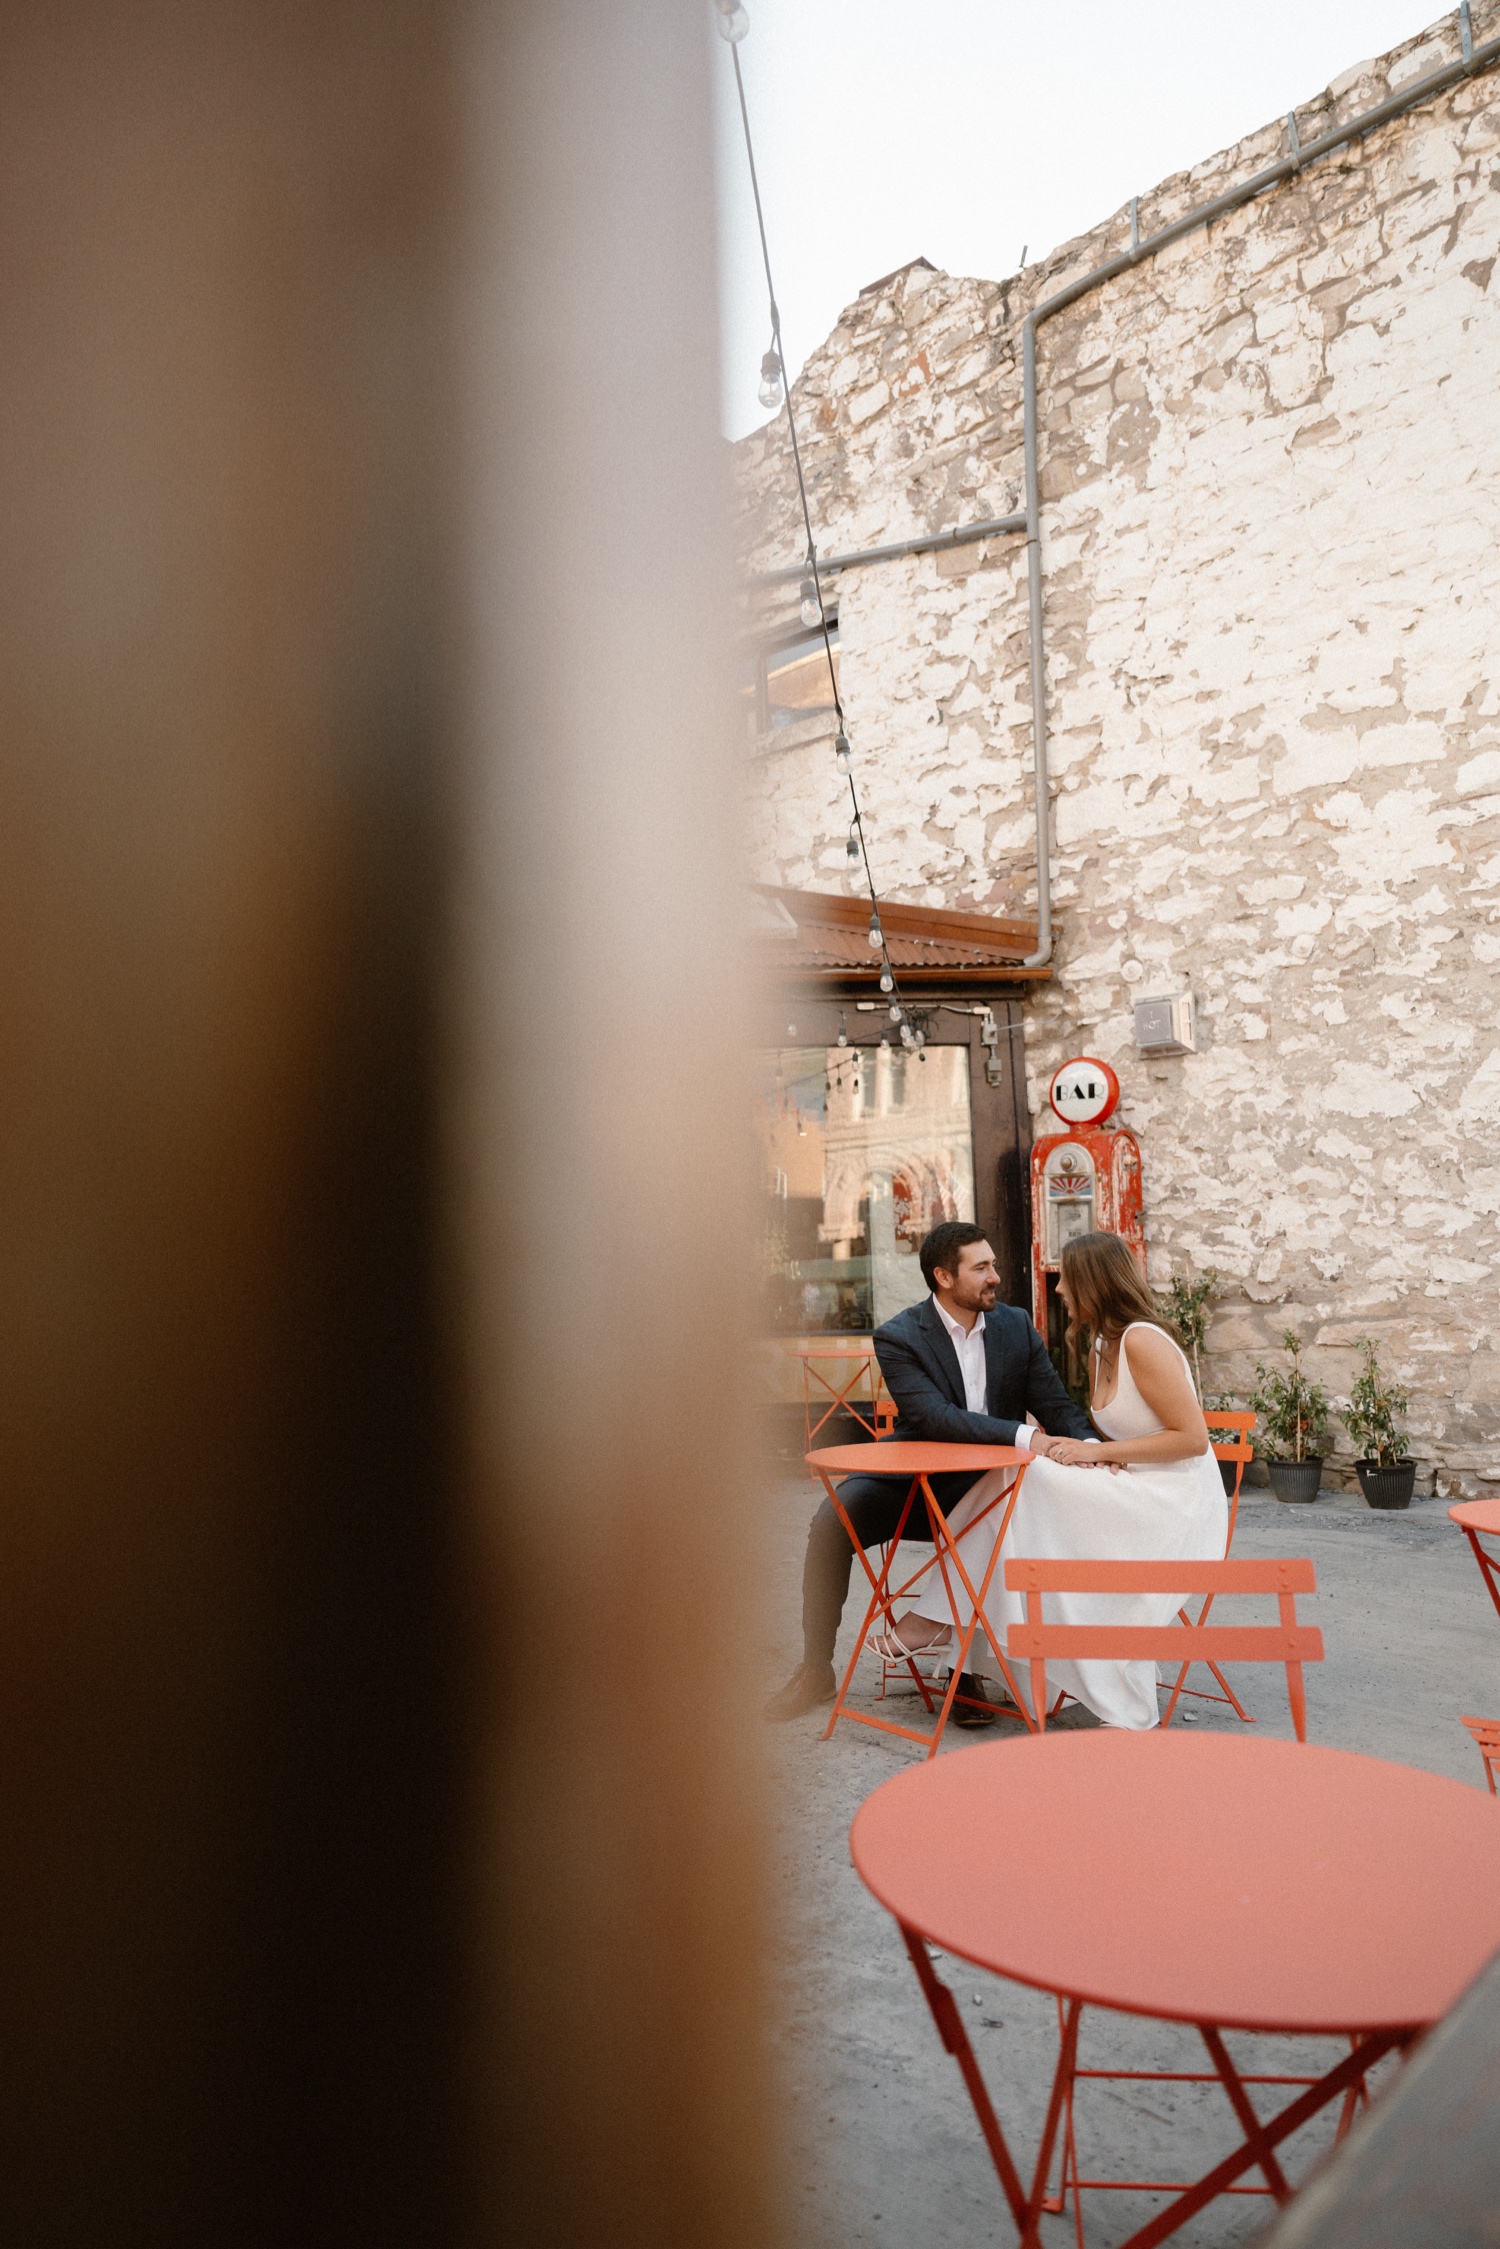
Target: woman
point(1150, 1491)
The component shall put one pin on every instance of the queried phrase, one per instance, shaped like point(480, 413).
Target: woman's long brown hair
point(1108, 1288)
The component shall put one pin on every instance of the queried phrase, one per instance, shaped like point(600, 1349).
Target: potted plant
point(1373, 1416)
point(1295, 1413)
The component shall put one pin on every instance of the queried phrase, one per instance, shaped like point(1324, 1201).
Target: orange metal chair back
point(1237, 1448)
point(1288, 1642)
point(1486, 1732)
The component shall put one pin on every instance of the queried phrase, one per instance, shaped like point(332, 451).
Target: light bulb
point(843, 1038)
point(812, 608)
point(877, 934)
point(851, 848)
point(905, 1027)
point(887, 981)
point(770, 370)
point(733, 24)
point(841, 751)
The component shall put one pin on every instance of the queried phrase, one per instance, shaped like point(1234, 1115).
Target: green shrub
point(1374, 1411)
point(1185, 1303)
point(1293, 1409)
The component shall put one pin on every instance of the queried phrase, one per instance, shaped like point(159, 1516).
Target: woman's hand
point(1075, 1452)
point(1071, 1452)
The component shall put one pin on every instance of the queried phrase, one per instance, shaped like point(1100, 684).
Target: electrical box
point(1166, 1026)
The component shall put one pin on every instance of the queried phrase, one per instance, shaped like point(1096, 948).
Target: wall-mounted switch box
point(1165, 1026)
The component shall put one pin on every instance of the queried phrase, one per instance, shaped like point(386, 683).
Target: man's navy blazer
point(921, 1372)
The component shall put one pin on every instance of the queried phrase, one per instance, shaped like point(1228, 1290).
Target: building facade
point(1269, 537)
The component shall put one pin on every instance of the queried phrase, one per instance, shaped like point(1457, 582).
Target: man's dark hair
point(942, 1247)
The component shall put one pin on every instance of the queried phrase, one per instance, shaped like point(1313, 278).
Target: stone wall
point(1271, 499)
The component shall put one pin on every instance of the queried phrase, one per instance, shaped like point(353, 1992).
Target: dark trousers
point(873, 1505)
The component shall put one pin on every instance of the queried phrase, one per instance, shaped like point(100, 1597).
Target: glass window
point(790, 682)
point(863, 1151)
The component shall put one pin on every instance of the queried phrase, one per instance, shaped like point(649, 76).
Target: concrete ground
point(884, 2144)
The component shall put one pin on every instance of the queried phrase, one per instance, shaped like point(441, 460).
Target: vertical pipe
point(1043, 952)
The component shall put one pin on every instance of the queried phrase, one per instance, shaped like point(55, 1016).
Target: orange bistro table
point(919, 1463)
point(1226, 1882)
point(1479, 1519)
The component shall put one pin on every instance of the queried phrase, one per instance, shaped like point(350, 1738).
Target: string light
point(733, 23)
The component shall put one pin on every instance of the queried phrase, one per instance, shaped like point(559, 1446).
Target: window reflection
point(863, 1151)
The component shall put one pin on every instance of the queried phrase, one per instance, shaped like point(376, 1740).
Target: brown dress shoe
point(810, 1684)
point(963, 1714)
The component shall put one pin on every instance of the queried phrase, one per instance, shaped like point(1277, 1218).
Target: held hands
point(1071, 1452)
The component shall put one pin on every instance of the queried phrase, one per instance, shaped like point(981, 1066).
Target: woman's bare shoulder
point(1149, 1347)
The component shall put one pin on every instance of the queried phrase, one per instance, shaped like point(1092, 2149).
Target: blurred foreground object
point(352, 1273)
point(1422, 2169)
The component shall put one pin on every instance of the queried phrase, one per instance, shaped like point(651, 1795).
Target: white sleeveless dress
point(1157, 1511)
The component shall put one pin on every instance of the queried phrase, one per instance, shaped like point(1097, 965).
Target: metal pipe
point(930, 543)
point(1469, 64)
point(1043, 953)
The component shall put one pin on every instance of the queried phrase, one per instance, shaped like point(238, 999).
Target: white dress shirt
point(968, 1343)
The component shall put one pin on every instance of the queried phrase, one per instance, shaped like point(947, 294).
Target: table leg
point(950, 2026)
point(1345, 2079)
point(1489, 1569)
point(879, 1605)
point(1250, 2124)
point(1345, 2074)
point(946, 1545)
point(1062, 2086)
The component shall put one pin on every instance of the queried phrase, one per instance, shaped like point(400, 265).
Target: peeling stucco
point(1271, 499)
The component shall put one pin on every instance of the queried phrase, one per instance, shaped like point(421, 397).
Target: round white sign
point(1084, 1091)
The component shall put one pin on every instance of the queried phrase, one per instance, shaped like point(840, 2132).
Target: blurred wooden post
point(604, 1221)
point(296, 1921)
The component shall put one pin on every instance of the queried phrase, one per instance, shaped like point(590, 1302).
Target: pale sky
point(963, 130)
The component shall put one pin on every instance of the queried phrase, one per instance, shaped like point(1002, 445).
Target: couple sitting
point(965, 1369)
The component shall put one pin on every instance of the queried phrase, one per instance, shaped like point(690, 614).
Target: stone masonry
point(1271, 535)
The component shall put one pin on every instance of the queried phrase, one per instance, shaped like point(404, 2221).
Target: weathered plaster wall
point(1271, 485)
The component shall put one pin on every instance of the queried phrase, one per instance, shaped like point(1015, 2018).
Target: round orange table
point(1477, 1519)
point(1230, 1884)
point(919, 1463)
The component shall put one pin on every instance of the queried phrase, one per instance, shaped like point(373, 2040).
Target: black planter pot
point(1296, 1481)
point(1387, 1487)
point(1228, 1470)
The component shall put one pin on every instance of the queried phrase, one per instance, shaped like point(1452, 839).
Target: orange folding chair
point(1288, 1642)
point(1486, 1732)
point(826, 1387)
point(1241, 1451)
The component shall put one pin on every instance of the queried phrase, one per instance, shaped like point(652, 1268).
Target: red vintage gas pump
point(1084, 1178)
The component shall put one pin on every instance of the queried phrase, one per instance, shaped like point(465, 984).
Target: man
point(963, 1369)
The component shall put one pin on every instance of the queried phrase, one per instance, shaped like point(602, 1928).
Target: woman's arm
point(1161, 1376)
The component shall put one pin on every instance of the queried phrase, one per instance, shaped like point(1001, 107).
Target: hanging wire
point(778, 353)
